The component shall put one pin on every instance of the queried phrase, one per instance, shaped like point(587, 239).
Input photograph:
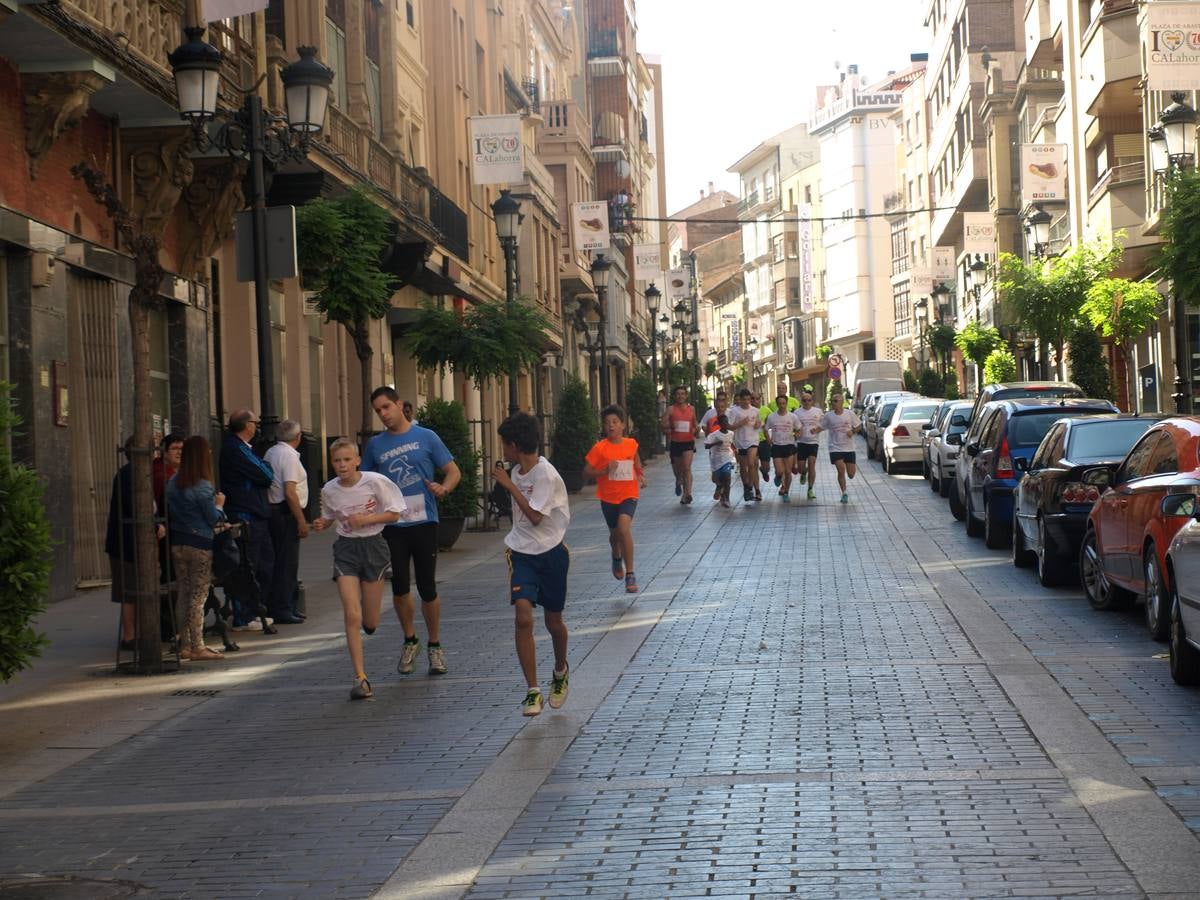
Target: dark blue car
point(1008, 430)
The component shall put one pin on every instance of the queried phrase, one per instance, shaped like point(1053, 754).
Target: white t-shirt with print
point(841, 430)
point(372, 493)
point(808, 419)
point(744, 423)
point(782, 428)
point(720, 448)
point(543, 487)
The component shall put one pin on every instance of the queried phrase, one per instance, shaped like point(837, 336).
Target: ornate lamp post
point(507, 213)
point(976, 276)
point(921, 315)
point(1038, 226)
point(653, 299)
point(251, 131)
point(600, 267)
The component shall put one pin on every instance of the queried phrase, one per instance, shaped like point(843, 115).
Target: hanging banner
point(589, 225)
point(647, 262)
point(979, 234)
point(679, 285)
point(920, 281)
point(943, 265)
point(1172, 46)
point(1043, 173)
point(805, 239)
point(215, 10)
point(497, 153)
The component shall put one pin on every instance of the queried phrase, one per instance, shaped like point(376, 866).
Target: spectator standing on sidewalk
point(194, 510)
point(288, 496)
point(538, 560)
point(165, 465)
point(245, 479)
point(411, 455)
point(120, 545)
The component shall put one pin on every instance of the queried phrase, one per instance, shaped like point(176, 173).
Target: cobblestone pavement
point(814, 699)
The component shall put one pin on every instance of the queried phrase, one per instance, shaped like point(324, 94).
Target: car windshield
point(885, 413)
point(1109, 439)
point(917, 413)
point(1016, 393)
point(1028, 429)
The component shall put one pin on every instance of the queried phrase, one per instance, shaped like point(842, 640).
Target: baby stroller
point(233, 573)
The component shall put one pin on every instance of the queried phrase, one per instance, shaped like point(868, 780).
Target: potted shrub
point(575, 431)
point(449, 421)
point(643, 412)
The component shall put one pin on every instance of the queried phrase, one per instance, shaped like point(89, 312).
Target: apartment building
point(798, 271)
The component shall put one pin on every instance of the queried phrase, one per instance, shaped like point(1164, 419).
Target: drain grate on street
point(196, 692)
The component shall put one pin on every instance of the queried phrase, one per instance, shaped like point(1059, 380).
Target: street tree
point(1000, 366)
point(940, 339)
point(976, 342)
point(340, 244)
point(1122, 310)
point(1089, 369)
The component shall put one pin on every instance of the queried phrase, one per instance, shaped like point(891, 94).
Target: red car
point(1130, 527)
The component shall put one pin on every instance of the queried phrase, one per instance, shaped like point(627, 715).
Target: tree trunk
point(145, 538)
point(362, 347)
point(1130, 379)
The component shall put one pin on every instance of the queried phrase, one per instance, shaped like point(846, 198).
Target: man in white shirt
point(288, 497)
point(808, 421)
point(781, 433)
point(841, 424)
point(743, 419)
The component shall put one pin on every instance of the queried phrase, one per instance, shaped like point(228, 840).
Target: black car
point(1050, 511)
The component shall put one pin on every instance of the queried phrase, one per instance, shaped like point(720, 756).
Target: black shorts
point(540, 578)
point(416, 544)
point(846, 456)
point(745, 451)
point(783, 451)
point(804, 451)
point(764, 450)
point(678, 448)
point(614, 511)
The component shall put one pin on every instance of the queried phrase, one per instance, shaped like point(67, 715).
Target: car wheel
point(925, 473)
point(889, 467)
point(935, 483)
point(944, 486)
point(1021, 557)
point(1158, 601)
point(1049, 561)
point(974, 528)
point(995, 535)
point(1185, 659)
point(956, 505)
point(1101, 593)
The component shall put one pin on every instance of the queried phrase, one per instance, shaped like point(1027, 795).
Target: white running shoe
point(558, 688)
point(532, 704)
point(437, 661)
point(408, 656)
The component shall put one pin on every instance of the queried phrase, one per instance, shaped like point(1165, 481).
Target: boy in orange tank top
point(615, 465)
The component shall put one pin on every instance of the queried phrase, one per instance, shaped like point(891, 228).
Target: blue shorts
point(725, 471)
point(614, 511)
point(540, 578)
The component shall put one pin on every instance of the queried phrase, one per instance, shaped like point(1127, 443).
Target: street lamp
point(681, 325)
point(1160, 159)
point(921, 314)
point(751, 346)
point(976, 276)
point(1179, 131)
point(600, 267)
point(506, 212)
point(653, 299)
point(251, 130)
point(1038, 225)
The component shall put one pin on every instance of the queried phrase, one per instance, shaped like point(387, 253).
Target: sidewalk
point(834, 701)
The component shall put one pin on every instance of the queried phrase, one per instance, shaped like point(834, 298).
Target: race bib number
point(621, 470)
point(683, 426)
point(414, 510)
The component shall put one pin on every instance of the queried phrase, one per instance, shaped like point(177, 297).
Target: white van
point(865, 387)
point(871, 368)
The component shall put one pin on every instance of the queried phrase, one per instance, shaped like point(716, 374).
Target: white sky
point(736, 72)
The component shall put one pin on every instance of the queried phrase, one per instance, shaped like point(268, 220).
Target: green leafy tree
point(910, 381)
point(833, 387)
point(1088, 366)
point(951, 391)
point(25, 553)
point(1045, 296)
point(575, 428)
point(710, 369)
point(976, 342)
point(1000, 366)
point(448, 419)
point(930, 383)
point(823, 352)
point(1179, 252)
point(1122, 310)
point(340, 244)
point(940, 339)
point(643, 410)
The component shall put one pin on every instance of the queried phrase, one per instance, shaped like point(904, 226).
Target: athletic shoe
point(630, 584)
point(725, 503)
point(408, 656)
point(252, 625)
point(758, 495)
point(618, 567)
point(678, 488)
point(778, 480)
point(785, 498)
point(532, 704)
point(845, 498)
point(812, 495)
point(747, 495)
point(437, 661)
point(558, 688)
point(687, 498)
point(717, 493)
point(361, 690)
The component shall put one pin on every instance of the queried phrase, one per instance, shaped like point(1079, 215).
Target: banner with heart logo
point(1172, 52)
point(497, 152)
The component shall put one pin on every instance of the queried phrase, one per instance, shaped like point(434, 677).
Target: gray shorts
point(366, 558)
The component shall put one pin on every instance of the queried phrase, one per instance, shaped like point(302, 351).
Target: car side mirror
point(1100, 477)
point(972, 449)
point(1021, 464)
point(928, 426)
point(1181, 505)
point(954, 439)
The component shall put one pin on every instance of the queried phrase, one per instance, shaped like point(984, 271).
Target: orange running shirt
point(621, 481)
point(682, 424)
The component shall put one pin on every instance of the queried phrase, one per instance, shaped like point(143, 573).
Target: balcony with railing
point(1111, 63)
point(450, 222)
point(1118, 203)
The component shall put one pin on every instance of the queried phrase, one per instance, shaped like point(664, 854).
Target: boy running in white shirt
point(743, 419)
point(781, 432)
point(841, 424)
point(808, 421)
point(538, 560)
point(359, 505)
point(720, 458)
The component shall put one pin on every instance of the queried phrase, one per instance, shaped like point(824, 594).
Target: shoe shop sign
point(1172, 52)
point(1043, 173)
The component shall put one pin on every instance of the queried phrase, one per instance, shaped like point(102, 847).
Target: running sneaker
point(558, 688)
point(361, 690)
point(408, 656)
point(845, 498)
point(812, 495)
point(725, 503)
point(784, 497)
point(758, 495)
point(532, 704)
point(747, 495)
point(687, 498)
point(630, 584)
point(437, 661)
point(252, 625)
point(778, 480)
point(678, 488)
point(717, 493)
point(618, 567)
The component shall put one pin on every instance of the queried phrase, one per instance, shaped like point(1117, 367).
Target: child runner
point(781, 432)
point(808, 420)
point(615, 465)
point(743, 418)
point(720, 458)
point(841, 424)
point(720, 405)
point(679, 424)
point(359, 505)
point(538, 559)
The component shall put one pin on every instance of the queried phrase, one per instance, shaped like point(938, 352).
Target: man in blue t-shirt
point(411, 456)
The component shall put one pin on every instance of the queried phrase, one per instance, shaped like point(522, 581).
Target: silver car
point(945, 443)
point(1183, 575)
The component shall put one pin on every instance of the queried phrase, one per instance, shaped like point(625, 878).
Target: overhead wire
point(703, 219)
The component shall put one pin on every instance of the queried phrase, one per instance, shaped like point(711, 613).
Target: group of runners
point(783, 437)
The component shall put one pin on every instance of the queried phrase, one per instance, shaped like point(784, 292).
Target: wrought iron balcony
point(451, 224)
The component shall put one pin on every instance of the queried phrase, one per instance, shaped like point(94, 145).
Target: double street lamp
point(600, 267)
point(976, 275)
point(1037, 225)
point(506, 212)
point(252, 131)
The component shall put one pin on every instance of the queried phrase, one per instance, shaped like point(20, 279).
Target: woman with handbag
point(194, 509)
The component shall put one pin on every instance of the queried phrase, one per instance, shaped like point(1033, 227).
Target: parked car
point(935, 423)
point(945, 443)
point(878, 417)
point(902, 436)
point(1132, 524)
point(990, 392)
point(867, 386)
point(1050, 512)
point(1011, 430)
point(1183, 574)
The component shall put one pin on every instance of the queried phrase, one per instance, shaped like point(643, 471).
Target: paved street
point(815, 699)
